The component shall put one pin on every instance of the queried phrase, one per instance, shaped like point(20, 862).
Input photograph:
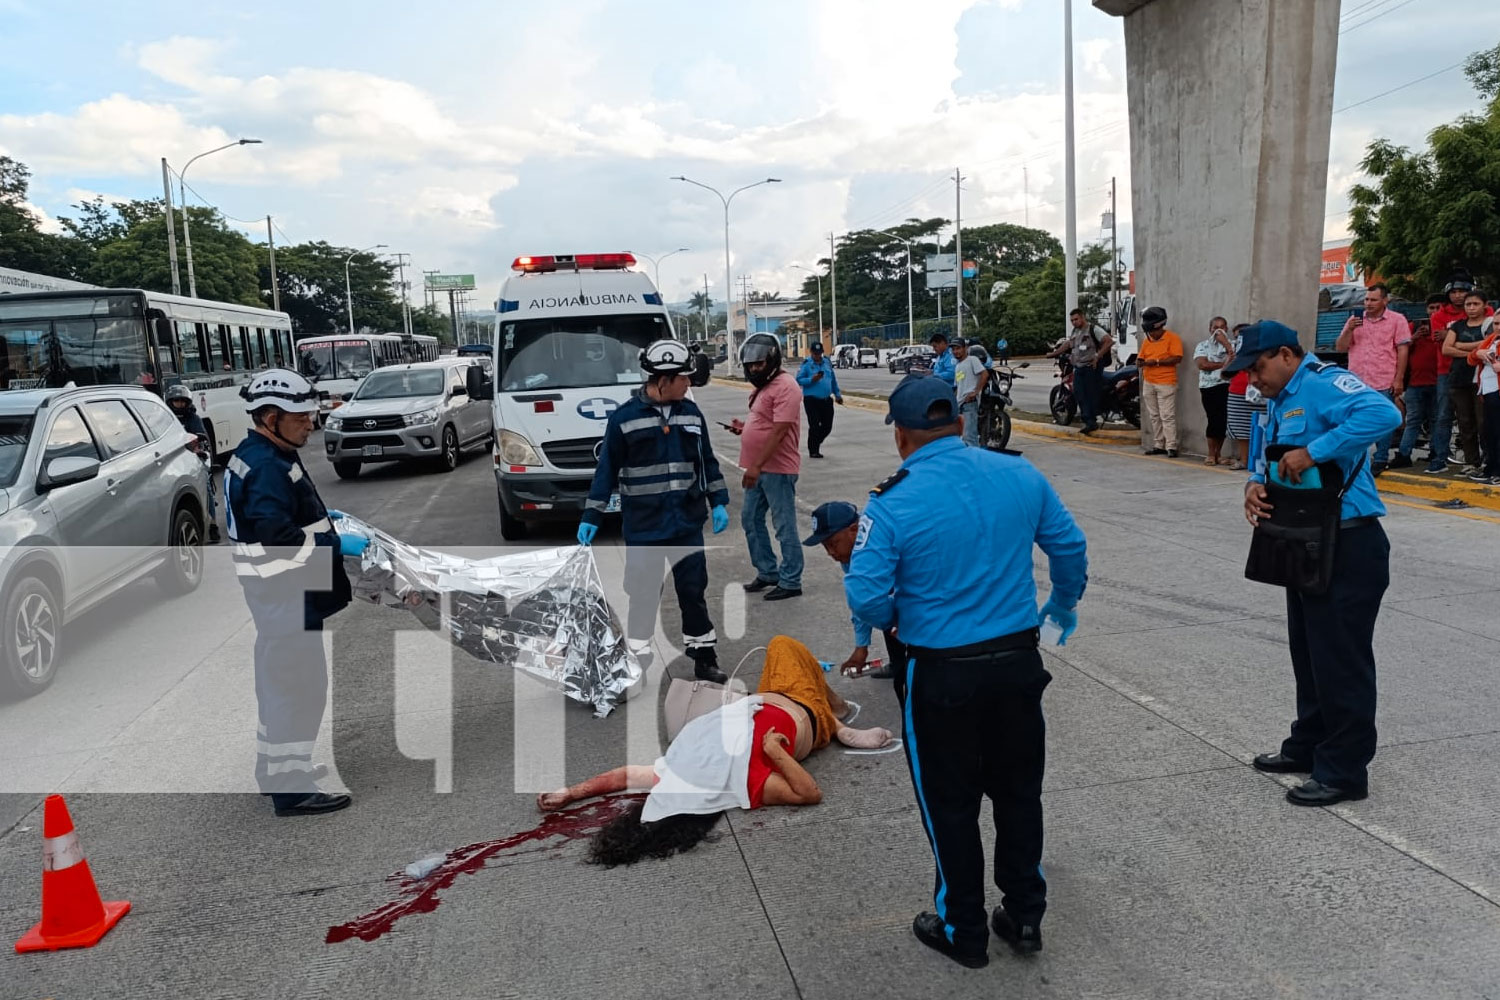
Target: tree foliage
point(311, 276)
point(1426, 213)
point(23, 245)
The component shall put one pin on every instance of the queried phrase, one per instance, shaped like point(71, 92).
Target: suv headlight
point(334, 424)
point(428, 416)
point(516, 450)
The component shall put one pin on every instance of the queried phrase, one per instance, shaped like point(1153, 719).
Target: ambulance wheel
point(512, 529)
point(346, 470)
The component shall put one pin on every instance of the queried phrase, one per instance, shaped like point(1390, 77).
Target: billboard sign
point(940, 271)
point(971, 269)
point(450, 282)
point(1338, 267)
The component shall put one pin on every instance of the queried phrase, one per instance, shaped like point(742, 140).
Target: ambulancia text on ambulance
point(568, 335)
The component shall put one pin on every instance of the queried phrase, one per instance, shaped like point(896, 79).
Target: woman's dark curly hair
point(626, 839)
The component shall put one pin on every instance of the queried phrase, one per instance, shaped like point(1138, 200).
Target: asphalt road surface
point(1175, 869)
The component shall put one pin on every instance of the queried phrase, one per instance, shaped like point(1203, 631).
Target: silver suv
point(98, 487)
point(406, 412)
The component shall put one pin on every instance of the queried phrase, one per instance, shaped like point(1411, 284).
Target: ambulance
point(569, 330)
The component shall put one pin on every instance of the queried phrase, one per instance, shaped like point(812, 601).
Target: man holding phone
point(1377, 343)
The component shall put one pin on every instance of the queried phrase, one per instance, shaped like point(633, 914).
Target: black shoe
point(930, 931)
point(707, 669)
point(213, 534)
point(1376, 468)
point(817, 454)
point(1315, 793)
point(1171, 452)
point(757, 585)
point(779, 593)
point(1088, 428)
point(1023, 940)
point(315, 804)
point(1157, 451)
point(1280, 763)
point(1401, 462)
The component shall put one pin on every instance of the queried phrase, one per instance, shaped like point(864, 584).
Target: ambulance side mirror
point(477, 384)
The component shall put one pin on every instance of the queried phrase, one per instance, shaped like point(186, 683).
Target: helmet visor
point(756, 350)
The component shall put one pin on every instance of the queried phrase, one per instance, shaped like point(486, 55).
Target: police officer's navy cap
point(817, 346)
point(914, 396)
point(1261, 338)
point(829, 519)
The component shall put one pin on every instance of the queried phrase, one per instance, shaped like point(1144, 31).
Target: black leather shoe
point(708, 670)
point(315, 804)
point(1157, 451)
point(1279, 763)
point(757, 585)
point(1023, 940)
point(779, 593)
point(1171, 452)
point(1315, 793)
point(928, 928)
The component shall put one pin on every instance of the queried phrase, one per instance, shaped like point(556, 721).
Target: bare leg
point(630, 777)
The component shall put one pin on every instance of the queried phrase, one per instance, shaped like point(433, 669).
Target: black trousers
point(819, 422)
point(974, 728)
point(1088, 383)
point(1333, 660)
point(643, 585)
point(895, 655)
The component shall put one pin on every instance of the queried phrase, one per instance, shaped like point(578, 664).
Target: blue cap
point(829, 519)
point(1261, 338)
point(914, 396)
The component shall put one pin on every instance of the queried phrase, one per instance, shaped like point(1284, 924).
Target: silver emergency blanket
point(542, 611)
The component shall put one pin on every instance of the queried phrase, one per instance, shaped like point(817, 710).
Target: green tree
point(1032, 312)
point(311, 276)
point(224, 261)
point(1425, 213)
point(23, 245)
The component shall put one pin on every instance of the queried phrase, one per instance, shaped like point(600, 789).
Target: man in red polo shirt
point(1420, 399)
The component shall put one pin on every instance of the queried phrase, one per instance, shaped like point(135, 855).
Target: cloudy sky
point(467, 132)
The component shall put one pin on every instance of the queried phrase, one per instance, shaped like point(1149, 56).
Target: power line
point(1355, 11)
point(1409, 83)
point(1376, 17)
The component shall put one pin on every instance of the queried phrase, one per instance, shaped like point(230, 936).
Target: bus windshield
point(336, 359)
point(575, 352)
point(88, 340)
point(402, 384)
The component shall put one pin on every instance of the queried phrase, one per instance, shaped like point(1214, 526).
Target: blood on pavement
point(421, 895)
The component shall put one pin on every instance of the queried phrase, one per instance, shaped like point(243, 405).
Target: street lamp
point(187, 235)
point(656, 261)
point(348, 288)
point(728, 280)
point(911, 322)
point(819, 279)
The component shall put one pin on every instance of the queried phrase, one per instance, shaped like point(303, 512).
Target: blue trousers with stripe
point(974, 728)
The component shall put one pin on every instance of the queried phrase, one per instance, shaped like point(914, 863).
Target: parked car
point(416, 412)
point(867, 357)
point(99, 487)
point(902, 359)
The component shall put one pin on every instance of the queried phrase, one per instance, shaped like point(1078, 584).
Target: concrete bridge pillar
point(1231, 103)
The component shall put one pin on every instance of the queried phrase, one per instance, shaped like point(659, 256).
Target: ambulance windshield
point(575, 352)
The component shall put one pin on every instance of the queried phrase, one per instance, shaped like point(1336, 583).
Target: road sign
point(447, 282)
point(940, 271)
point(971, 269)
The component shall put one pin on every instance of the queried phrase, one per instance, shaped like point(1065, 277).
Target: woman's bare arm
point(791, 785)
point(629, 777)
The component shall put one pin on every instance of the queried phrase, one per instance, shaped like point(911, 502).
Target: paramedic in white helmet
point(656, 455)
point(288, 559)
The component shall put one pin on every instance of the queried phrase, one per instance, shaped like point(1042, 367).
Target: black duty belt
point(1357, 522)
point(1016, 641)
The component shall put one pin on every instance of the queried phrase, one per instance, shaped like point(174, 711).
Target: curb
point(1438, 490)
point(1117, 438)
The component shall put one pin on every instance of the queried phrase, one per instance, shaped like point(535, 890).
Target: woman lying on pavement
point(742, 755)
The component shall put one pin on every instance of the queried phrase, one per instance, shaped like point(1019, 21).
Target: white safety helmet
point(666, 357)
point(281, 388)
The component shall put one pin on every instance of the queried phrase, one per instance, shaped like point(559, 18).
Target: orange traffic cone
point(73, 915)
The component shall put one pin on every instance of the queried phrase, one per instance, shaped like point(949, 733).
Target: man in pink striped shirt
point(1378, 343)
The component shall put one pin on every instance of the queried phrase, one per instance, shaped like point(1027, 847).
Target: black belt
point(1357, 522)
point(1024, 639)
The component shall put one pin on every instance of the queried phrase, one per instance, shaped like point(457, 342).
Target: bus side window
point(272, 341)
point(166, 344)
point(189, 347)
point(288, 347)
point(237, 347)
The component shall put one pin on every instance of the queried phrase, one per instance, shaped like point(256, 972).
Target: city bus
point(337, 363)
point(114, 336)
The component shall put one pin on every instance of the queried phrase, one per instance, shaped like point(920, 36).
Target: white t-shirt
point(966, 376)
point(706, 769)
point(1488, 381)
point(1214, 352)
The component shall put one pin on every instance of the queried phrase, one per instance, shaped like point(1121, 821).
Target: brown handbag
point(686, 700)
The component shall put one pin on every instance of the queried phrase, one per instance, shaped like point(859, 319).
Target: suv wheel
point(31, 629)
point(448, 459)
point(346, 470)
point(184, 567)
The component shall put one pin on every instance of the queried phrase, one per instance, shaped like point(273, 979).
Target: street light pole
point(728, 279)
point(166, 185)
point(911, 316)
point(187, 234)
point(349, 288)
point(656, 261)
point(1070, 196)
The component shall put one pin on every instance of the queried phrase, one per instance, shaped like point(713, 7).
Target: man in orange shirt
point(1159, 355)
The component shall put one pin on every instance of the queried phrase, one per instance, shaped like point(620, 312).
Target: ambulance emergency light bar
point(573, 262)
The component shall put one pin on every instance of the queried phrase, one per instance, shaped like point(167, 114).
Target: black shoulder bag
point(1294, 547)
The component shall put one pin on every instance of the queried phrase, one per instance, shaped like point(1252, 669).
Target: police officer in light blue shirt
point(1329, 416)
point(966, 603)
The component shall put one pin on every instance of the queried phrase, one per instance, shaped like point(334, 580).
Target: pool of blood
point(422, 895)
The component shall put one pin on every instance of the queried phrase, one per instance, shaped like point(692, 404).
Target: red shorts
point(769, 717)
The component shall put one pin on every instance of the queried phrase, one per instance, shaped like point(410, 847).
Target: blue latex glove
point(586, 533)
point(353, 545)
point(721, 518)
point(1066, 618)
point(335, 515)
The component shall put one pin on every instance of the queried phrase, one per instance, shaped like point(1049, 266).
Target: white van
point(568, 335)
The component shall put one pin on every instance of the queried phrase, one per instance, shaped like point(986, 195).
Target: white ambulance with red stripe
point(568, 335)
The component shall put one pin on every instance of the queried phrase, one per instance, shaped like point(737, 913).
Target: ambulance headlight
point(516, 450)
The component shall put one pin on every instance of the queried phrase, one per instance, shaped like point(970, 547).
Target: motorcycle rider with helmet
point(771, 458)
point(180, 401)
point(657, 455)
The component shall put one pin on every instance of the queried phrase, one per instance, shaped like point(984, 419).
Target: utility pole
point(958, 249)
point(1114, 265)
point(1070, 244)
point(833, 285)
point(405, 303)
point(706, 338)
point(453, 313)
point(1026, 191)
point(275, 288)
point(166, 186)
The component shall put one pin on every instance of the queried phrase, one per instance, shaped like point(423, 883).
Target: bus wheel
point(346, 470)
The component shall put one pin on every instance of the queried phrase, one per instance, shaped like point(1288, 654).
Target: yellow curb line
point(1437, 490)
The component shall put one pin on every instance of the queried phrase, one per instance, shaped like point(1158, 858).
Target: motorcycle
point(994, 418)
point(1119, 395)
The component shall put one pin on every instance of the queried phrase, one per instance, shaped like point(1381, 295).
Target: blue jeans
point(1441, 441)
point(1421, 406)
point(1088, 382)
point(1380, 451)
point(970, 413)
point(775, 492)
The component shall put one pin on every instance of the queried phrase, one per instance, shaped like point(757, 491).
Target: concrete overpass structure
point(1231, 103)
